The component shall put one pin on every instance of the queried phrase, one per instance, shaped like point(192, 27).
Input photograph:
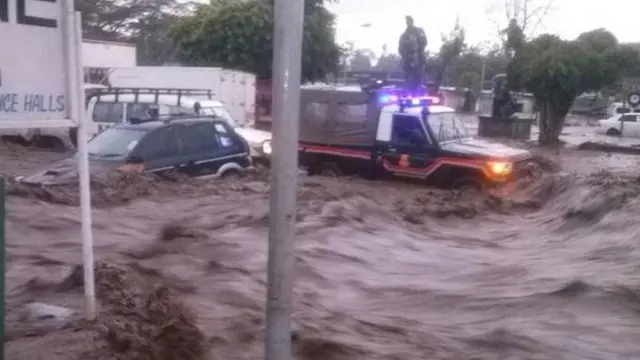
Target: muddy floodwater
point(548, 269)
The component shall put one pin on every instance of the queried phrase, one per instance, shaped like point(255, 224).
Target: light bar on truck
point(405, 100)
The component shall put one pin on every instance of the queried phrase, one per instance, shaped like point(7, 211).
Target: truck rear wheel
point(328, 170)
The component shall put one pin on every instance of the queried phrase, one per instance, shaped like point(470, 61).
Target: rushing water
point(384, 270)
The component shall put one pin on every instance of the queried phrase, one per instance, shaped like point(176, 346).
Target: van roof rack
point(167, 118)
point(136, 92)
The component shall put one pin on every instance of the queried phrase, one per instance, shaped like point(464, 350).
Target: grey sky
point(568, 18)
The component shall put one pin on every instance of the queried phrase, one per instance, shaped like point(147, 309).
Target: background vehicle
point(106, 107)
point(386, 132)
point(195, 146)
point(626, 125)
point(235, 89)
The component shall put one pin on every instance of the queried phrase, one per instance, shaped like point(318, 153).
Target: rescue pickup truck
point(388, 131)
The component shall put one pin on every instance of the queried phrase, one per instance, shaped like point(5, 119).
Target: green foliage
point(389, 62)
point(515, 38)
point(599, 41)
point(452, 46)
point(556, 71)
point(552, 69)
point(140, 22)
point(239, 35)
point(362, 60)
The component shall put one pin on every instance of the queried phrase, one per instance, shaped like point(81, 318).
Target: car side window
point(225, 139)
point(199, 138)
point(407, 130)
point(629, 118)
point(158, 144)
point(108, 112)
point(141, 111)
point(179, 110)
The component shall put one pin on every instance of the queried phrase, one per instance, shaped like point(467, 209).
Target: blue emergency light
point(406, 100)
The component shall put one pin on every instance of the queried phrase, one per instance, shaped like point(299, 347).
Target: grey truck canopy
point(338, 115)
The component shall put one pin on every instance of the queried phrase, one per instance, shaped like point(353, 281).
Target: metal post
point(2, 264)
point(483, 72)
point(287, 63)
point(76, 94)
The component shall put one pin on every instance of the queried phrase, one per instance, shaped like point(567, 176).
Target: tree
point(452, 46)
point(239, 35)
point(556, 71)
point(142, 22)
point(465, 71)
point(103, 20)
point(389, 62)
point(514, 38)
point(362, 60)
point(518, 20)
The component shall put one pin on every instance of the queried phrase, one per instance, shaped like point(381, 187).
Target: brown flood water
point(384, 270)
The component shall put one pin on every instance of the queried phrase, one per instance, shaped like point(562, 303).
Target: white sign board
point(34, 81)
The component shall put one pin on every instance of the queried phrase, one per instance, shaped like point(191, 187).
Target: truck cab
point(401, 135)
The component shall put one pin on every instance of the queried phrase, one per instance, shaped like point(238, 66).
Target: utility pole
point(483, 72)
point(287, 66)
point(3, 246)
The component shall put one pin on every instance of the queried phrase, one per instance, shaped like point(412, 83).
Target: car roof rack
point(137, 91)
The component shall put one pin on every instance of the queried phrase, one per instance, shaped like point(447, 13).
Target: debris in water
point(142, 319)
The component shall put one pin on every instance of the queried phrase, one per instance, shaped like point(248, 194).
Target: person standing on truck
point(412, 45)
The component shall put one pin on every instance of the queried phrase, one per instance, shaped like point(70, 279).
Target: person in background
point(412, 45)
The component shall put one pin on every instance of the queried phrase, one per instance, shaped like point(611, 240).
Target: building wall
point(98, 57)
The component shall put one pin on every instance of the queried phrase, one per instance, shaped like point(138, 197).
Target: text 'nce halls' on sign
point(27, 103)
point(33, 69)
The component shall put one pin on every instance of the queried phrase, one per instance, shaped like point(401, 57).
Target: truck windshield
point(114, 143)
point(447, 126)
point(221, 112)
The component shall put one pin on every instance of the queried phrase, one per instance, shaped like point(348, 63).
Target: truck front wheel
point(467, 184)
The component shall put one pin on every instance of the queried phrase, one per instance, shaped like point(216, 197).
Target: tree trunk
point(551, 122)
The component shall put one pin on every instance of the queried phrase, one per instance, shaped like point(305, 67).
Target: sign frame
point(71, 29)
point(70, 50)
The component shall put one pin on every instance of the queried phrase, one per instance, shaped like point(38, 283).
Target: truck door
point(408, 152)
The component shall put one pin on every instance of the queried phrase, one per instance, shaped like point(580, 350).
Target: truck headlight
point(500, 168)
point(266, 147)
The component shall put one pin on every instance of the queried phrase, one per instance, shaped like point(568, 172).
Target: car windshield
point(114, 143)
point(447, 126)
point(221, 112)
